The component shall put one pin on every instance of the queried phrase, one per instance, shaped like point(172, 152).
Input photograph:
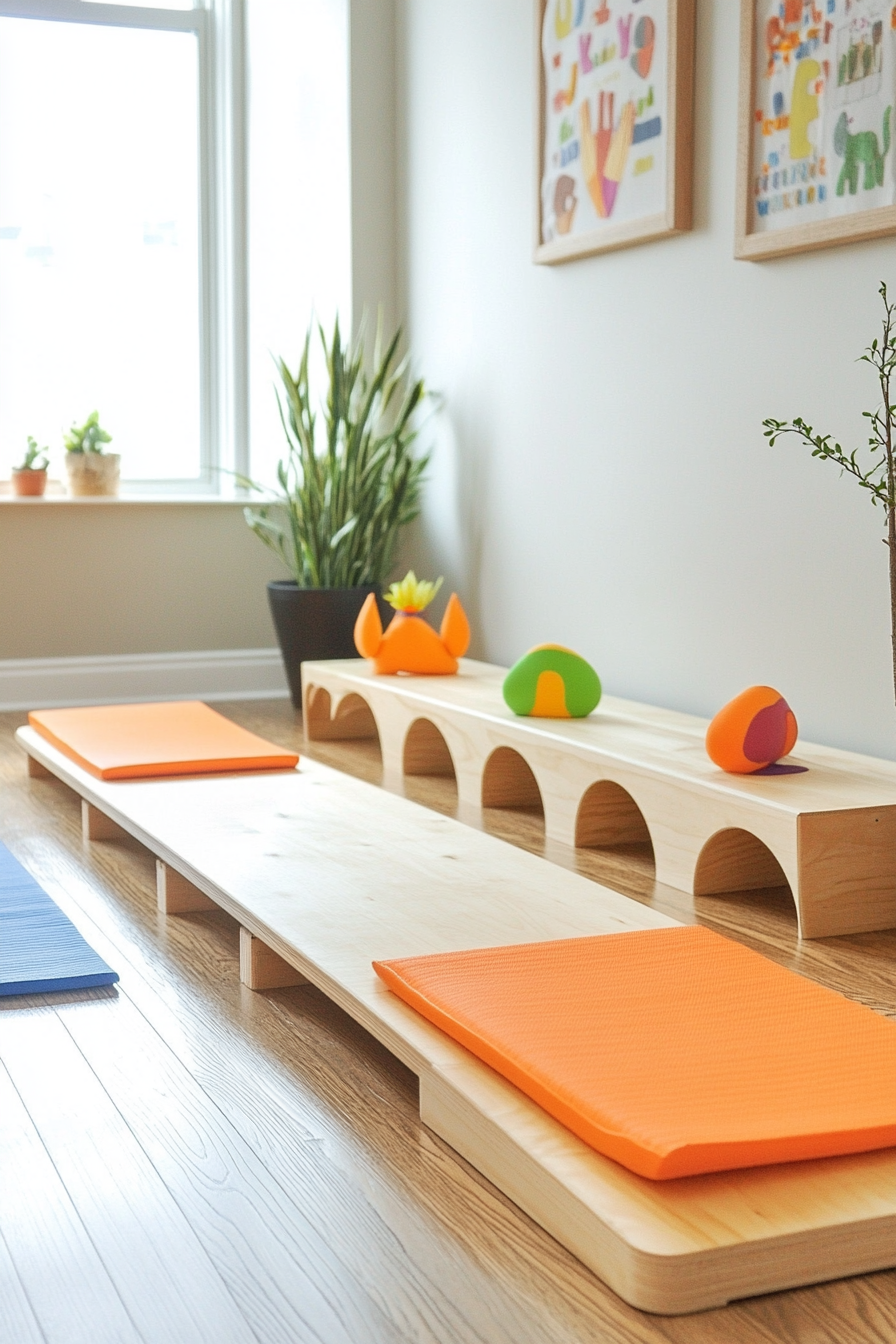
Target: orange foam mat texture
point(155, 740)
point(673, 1051)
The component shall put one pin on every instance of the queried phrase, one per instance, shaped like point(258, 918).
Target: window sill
point(117, 501)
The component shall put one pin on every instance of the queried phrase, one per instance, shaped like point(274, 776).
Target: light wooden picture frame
point(816, 163)
point(612, 76)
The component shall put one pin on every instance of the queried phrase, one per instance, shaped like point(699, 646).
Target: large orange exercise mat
point(673, 1051)
point(145, 741)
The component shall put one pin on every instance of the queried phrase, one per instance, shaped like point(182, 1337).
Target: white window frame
point(223, 297)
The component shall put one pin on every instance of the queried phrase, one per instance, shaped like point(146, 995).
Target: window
point(101, 213)
point(136, 277)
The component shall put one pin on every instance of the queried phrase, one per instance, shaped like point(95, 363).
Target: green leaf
point(349, 478)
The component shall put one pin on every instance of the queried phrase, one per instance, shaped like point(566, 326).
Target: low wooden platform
point(325, 873)
point(630, 772)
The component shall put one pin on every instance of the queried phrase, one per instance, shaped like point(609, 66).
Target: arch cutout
point(736, 860)
point(508, 782)
point(353, 717)
point(608, 816)
point(426, 752)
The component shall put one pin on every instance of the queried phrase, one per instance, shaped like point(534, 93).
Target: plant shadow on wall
point(349, 482)
point(873, 467)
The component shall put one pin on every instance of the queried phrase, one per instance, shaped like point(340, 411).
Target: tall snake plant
point(348, 484)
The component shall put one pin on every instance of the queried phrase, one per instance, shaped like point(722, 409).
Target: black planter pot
point(314, 623)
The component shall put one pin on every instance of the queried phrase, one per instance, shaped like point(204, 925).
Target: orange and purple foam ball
point(752, 732)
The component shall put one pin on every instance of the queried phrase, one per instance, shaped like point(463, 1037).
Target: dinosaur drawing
point(858, 150)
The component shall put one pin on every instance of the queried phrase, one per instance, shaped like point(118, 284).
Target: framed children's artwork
point(817, 125)
point(615, 124)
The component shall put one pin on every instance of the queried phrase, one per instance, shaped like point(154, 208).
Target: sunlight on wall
point(299, 222)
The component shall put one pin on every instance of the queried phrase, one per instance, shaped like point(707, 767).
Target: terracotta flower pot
point(27, 481)
point(92, 474)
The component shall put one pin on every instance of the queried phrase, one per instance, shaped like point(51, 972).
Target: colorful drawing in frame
point(615, 123)
point(817, 124)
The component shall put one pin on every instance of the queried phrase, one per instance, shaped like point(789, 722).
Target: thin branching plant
point(872, 467)
point(350, 479)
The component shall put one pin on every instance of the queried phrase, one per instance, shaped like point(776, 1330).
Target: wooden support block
point(176, 895)
point(36, 770)
point(262, 968)
point(95, 825)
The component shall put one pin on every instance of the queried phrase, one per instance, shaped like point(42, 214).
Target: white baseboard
point(217, 674)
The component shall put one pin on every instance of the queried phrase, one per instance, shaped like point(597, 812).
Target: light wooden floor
point(182, 1160)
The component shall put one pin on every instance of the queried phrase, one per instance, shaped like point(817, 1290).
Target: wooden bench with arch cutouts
point(630, 773)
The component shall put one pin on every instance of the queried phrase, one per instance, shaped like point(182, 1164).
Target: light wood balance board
point(326, 874)
point(631, 772)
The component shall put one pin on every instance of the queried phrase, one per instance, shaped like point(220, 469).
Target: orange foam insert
point(673, 1051)
point(146, 741)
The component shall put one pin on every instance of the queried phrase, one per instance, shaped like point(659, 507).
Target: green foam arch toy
point(552, 682)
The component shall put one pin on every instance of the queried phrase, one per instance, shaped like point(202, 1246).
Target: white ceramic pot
point(92, 473)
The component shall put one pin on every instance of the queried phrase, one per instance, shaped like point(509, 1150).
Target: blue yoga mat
point(40, 948)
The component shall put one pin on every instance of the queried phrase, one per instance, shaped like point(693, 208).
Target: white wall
point(84, 579)
point(372, 123)
point(601, 477)
point(299, 191)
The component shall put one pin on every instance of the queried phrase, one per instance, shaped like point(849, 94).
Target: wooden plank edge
point(646, 1280)
point(36, 770)
point(666, 1285)
point(613, 238)
point(81, 783)
point(96, 824)
point(77, 779)
point(681, 78)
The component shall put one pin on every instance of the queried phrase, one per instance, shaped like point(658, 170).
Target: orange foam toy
point(156, 740)
point(673, 1051)
point(409, 643)
point(751, 732)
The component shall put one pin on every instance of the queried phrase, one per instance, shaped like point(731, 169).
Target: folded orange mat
point(145, 741)
point(673, 1051)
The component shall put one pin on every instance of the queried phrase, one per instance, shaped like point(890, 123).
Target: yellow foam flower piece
point(412, 594)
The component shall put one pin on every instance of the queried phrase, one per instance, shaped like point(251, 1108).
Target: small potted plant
point(91, 470)
point(875, 468)
point(348, 483)
point(31, 477)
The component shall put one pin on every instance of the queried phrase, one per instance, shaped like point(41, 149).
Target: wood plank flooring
point(182, 1159)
